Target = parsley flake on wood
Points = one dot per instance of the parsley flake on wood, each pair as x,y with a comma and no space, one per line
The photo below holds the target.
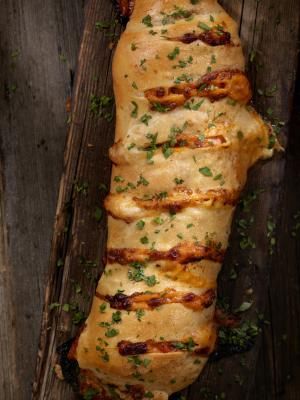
142,64
183,78
116,317
192,105
136,273
240,135
271,227
145,119
119,179
98,213
99,106
245,306
102,25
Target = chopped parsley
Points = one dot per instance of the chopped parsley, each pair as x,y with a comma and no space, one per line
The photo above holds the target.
144,240
98,213
147,20
206,171
140,225
178,181
139,314
142,181
116,317
136,273
160,107
99,106
102,308
191,105
245,306
145,119
174,53
183,78
134,112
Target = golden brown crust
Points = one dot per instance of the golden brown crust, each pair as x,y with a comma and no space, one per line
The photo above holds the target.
185,139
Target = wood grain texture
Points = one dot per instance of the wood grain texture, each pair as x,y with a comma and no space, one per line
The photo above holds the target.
253,266
38,47
31,166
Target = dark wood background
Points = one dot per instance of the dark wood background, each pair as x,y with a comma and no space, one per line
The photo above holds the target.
39,71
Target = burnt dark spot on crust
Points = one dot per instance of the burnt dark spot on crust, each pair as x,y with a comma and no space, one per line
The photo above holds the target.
189,297
156,302
119,301
136,391
127,348
211,38
160,92
149,300
208,298
182,253
124,8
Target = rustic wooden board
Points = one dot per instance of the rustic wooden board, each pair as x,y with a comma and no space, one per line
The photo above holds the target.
78,236
38,51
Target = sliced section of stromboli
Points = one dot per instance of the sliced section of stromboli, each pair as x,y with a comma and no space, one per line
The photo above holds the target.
185,139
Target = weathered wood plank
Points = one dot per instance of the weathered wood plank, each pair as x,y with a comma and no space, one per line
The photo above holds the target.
86,161
262,42
284,291
89,138
39,43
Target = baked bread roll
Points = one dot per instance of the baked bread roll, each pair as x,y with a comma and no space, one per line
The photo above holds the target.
185,139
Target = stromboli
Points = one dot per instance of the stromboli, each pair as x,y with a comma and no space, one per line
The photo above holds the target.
185,139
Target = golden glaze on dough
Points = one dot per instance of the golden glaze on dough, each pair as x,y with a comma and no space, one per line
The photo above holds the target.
185,139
